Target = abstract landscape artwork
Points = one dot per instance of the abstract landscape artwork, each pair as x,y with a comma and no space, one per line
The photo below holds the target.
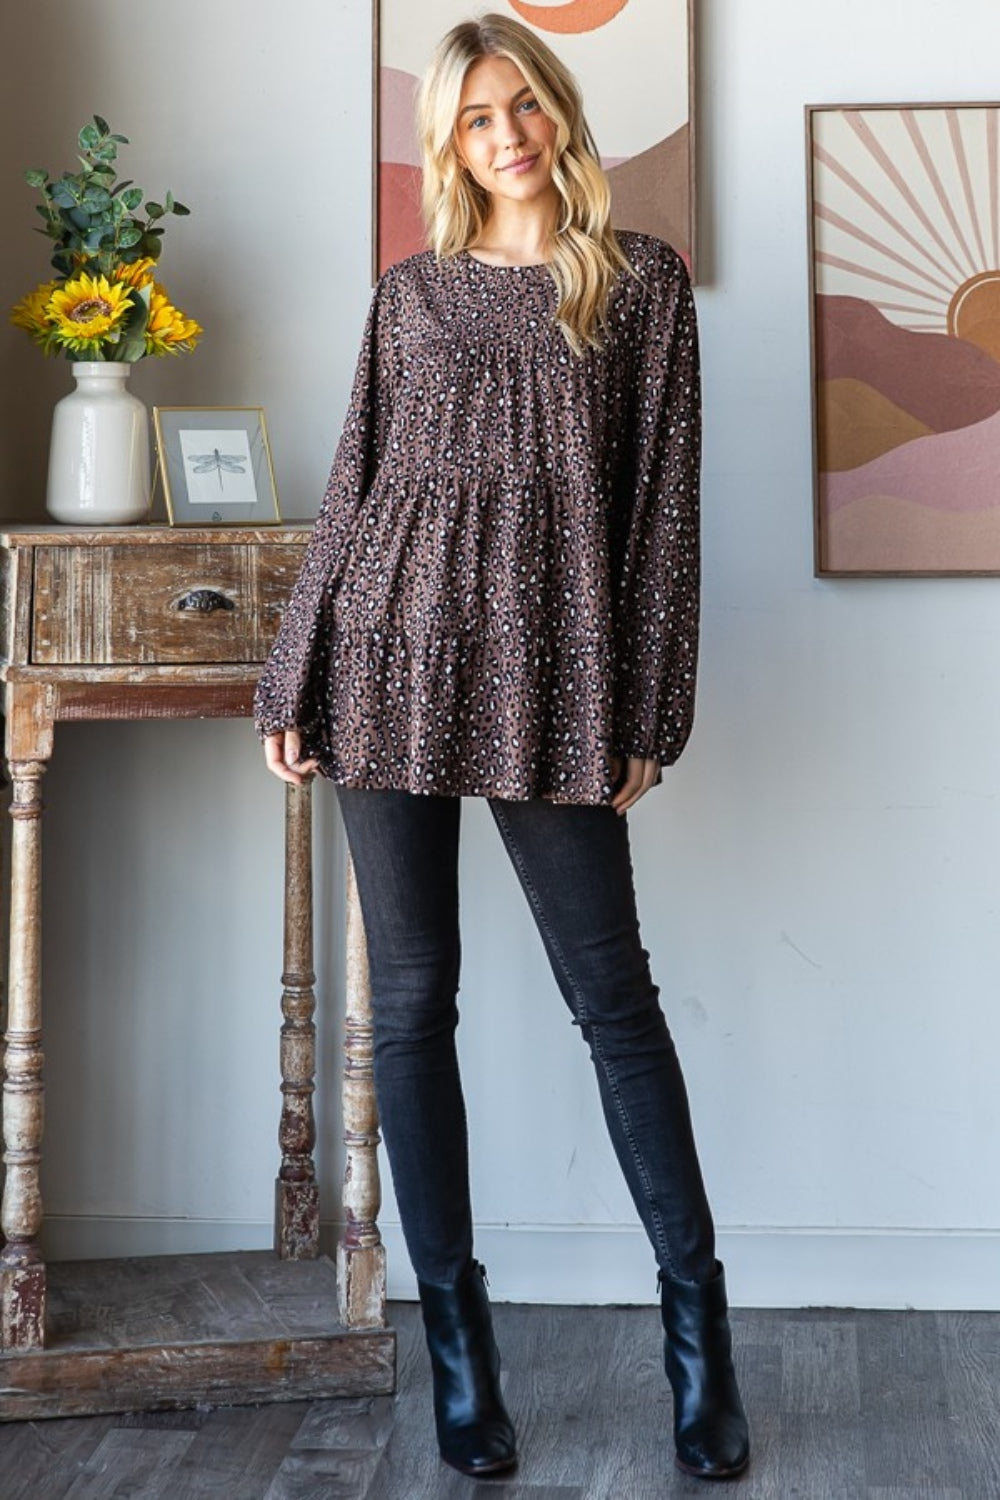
632,59
905,242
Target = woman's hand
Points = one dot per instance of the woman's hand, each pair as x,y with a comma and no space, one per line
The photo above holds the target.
282,751
639,775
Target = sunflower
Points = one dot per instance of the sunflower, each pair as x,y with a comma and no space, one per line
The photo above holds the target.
88,312
168,331
32,313
138,273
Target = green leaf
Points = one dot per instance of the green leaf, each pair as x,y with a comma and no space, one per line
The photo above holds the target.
62,195
89,138
96,199
130,198
130,235
155,210
151,244
168,202
122,140
132,344
35,177
180,209
101,124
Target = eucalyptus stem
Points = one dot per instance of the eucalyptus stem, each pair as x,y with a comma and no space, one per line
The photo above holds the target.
91,216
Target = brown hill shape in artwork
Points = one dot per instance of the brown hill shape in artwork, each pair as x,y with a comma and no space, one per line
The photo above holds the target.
857,424
942,381
651,192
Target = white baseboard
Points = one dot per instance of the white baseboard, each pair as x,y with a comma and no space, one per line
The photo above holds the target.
776,1267
83,1237
764,1267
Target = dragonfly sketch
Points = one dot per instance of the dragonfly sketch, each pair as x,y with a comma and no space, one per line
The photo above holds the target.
218,463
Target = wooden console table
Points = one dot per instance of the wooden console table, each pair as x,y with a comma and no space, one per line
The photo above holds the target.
155,623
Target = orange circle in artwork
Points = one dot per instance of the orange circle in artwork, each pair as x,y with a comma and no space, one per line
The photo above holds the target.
974,312
575,16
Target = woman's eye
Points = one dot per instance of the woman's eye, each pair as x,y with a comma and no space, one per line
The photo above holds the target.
479,120
528,105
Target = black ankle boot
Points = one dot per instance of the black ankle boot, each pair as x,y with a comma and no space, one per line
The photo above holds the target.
710,1426
474,1432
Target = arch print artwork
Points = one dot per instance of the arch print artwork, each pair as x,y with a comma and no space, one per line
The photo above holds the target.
905,232
632,59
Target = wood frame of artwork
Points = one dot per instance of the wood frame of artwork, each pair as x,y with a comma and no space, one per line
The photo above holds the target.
652,190
904,306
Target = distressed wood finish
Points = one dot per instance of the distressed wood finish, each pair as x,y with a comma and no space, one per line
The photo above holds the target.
169,1376
296,1208
88,630
15,604
183,604
360,1254
219,1329
22,1271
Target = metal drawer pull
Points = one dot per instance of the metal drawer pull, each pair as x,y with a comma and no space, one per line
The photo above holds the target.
203,601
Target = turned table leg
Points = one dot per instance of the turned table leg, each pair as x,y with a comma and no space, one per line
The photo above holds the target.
296,1209
360,1254
22,1270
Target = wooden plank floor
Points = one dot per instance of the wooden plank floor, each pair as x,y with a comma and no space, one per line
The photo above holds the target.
843,1405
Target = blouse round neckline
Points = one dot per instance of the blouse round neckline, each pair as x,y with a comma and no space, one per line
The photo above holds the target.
490,265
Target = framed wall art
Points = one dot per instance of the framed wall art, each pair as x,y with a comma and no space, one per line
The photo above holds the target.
633,61
215,464
905,301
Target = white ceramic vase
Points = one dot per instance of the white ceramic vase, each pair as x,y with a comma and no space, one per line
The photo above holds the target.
99,457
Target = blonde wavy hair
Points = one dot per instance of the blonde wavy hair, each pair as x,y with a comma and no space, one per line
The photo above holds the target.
586,257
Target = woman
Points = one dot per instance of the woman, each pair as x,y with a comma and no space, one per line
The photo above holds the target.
500,600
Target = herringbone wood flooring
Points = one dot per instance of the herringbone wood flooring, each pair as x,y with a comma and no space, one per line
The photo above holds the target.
843,1406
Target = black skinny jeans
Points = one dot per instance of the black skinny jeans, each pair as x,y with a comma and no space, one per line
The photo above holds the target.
574,865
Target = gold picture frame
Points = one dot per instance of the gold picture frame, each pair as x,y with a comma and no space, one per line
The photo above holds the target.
215,465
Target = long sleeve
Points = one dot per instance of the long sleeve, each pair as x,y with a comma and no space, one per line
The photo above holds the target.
657,549
286,696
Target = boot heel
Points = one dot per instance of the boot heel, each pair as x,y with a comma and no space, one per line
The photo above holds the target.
475,1434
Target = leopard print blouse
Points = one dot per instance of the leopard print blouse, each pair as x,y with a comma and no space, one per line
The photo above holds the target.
501,589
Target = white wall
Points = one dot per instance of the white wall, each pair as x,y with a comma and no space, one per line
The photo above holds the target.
817,876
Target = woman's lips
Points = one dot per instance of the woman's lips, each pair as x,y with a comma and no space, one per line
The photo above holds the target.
523,164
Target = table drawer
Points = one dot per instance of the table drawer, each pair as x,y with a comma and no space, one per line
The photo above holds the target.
186,603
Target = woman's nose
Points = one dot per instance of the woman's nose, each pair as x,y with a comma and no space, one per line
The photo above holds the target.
513,131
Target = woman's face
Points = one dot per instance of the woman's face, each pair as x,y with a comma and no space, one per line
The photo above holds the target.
501,134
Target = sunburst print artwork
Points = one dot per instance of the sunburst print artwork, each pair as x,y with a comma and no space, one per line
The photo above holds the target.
905,219
632,59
